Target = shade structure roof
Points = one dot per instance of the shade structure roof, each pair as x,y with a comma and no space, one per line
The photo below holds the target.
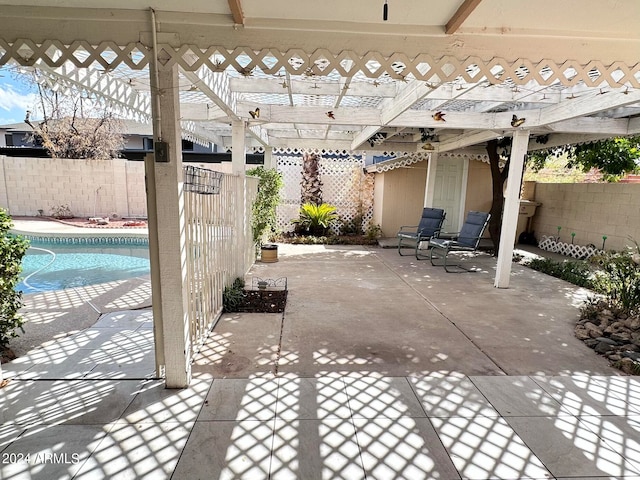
435,76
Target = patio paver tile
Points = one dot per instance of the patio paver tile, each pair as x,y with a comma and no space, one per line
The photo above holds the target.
402,448
568,447
517,396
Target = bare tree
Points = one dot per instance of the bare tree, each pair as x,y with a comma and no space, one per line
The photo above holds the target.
75,126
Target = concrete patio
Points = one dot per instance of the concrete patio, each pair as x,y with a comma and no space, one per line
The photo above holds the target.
381,367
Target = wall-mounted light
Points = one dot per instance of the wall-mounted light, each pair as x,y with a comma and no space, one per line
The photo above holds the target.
385,11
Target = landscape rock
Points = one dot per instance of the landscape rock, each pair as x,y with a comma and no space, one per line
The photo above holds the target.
631,347
612,334
632,355
591,342
632,323
628,366
614,327
603,347
594,330
582,333
621,337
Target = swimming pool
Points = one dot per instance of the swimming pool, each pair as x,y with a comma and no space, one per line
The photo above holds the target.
54,266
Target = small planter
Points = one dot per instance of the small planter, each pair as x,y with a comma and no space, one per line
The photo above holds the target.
269,253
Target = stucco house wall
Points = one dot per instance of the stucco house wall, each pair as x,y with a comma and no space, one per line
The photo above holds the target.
399,194
479,195
399,197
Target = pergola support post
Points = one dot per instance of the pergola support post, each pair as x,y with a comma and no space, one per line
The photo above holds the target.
511,208
169,215
238,160
430,186
269,161
238,146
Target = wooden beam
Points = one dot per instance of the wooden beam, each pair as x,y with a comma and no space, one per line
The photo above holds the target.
272,85
460,16
467,139
588,104
634,126
236,11
559,139
592,125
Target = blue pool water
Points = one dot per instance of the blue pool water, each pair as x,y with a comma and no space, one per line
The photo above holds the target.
48,267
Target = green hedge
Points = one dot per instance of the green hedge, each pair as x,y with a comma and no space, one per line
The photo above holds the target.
12,250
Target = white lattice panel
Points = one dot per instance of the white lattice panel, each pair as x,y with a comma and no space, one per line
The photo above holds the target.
344,185
551,244
322,62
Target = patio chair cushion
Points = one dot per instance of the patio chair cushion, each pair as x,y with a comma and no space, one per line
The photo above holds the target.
474,225
466,240
430,224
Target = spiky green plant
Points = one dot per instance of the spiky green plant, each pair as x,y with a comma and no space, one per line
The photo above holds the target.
315,219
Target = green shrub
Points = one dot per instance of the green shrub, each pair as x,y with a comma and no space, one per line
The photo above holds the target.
12,250
373,232
233,295
579,273
315,219
619,279
351,227
263,218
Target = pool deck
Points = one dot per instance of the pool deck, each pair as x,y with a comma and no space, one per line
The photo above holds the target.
51,228
381,367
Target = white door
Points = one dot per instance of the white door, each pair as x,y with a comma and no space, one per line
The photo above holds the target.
449,193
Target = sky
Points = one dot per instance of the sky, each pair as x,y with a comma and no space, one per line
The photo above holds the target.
16,97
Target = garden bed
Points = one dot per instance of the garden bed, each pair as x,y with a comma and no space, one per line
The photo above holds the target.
267,301
612,334
267,296
296,239
610,319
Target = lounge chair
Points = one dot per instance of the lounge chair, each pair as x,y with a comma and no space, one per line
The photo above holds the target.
430,225
466,240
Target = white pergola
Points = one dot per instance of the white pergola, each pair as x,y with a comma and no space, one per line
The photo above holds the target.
436,76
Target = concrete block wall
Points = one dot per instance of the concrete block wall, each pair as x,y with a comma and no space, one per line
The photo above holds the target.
591,210
89,187
136,193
